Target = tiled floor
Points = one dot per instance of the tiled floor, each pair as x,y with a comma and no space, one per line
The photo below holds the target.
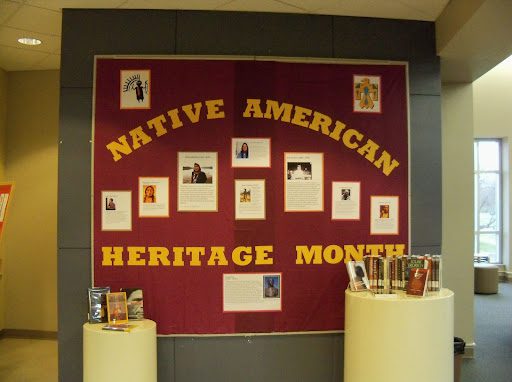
28,360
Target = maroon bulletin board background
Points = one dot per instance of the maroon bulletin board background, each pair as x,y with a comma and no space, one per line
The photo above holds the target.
188,300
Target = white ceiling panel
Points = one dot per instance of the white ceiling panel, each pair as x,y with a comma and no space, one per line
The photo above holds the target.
57,5
7,9
50,62
36,19
13,59
9,37
260,6
392,9
42,19
174,4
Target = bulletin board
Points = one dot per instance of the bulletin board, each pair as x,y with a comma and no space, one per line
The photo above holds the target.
233,191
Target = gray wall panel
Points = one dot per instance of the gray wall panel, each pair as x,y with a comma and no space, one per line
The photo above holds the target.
426,203
263,34
74,209
166,359
89,32
74,270
257,358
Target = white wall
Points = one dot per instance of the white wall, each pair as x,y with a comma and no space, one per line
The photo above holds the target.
457,247
493,119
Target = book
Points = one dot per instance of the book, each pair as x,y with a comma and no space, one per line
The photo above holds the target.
117,310
418,282
357,276
118,327
135,303
98,304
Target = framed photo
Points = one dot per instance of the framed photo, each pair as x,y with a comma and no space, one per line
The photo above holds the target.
117,310
250,152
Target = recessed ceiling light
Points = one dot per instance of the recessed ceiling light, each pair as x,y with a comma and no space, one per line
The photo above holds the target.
29,41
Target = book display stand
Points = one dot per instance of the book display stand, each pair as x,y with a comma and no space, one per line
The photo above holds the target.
399,339
120,356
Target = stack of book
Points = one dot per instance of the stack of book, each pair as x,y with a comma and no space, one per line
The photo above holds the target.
388,274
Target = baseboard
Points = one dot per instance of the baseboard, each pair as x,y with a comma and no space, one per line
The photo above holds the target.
28,334
505,276
469,350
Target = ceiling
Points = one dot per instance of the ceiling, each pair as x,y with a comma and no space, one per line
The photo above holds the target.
42,19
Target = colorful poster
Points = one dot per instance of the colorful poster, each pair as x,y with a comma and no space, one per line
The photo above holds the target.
6,190
252,153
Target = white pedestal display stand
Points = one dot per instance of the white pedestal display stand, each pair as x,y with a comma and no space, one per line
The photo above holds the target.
399,339
120,356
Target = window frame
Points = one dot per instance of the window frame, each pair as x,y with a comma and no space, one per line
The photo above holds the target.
476,174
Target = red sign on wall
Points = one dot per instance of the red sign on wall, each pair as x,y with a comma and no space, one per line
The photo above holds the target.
232,192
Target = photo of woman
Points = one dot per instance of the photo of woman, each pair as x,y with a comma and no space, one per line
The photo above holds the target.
244,151
149,194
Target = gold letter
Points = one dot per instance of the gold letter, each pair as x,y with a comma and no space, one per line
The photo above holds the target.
394,249
236,255
253,109
139,136
275,111
213,107
158,254
348,136
338,128
191,114
321,121
194,253
122,146
217,256
158,124
178,257
175,119
333,254
262,252
374,249
304,254
299,118
389,165
370,148
108,256
134,255
352,254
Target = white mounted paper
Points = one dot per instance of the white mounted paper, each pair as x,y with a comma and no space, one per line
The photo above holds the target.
346,201
250,152
116,211
154,197
249,199
384,215
197,181
252,292
304,182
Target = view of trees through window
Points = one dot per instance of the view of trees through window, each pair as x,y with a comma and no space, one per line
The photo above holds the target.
488,198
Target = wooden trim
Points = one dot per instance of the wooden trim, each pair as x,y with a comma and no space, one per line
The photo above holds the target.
28,334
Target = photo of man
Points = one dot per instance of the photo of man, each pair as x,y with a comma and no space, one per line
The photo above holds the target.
271,286
345,194
299,171
110,205
197,174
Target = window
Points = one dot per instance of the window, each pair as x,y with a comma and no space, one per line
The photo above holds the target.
488,198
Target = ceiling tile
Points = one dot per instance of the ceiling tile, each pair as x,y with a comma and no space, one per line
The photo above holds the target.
9,37
13,59
173,4
50,62
392,9
36,19
7,9
260,6
57,5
